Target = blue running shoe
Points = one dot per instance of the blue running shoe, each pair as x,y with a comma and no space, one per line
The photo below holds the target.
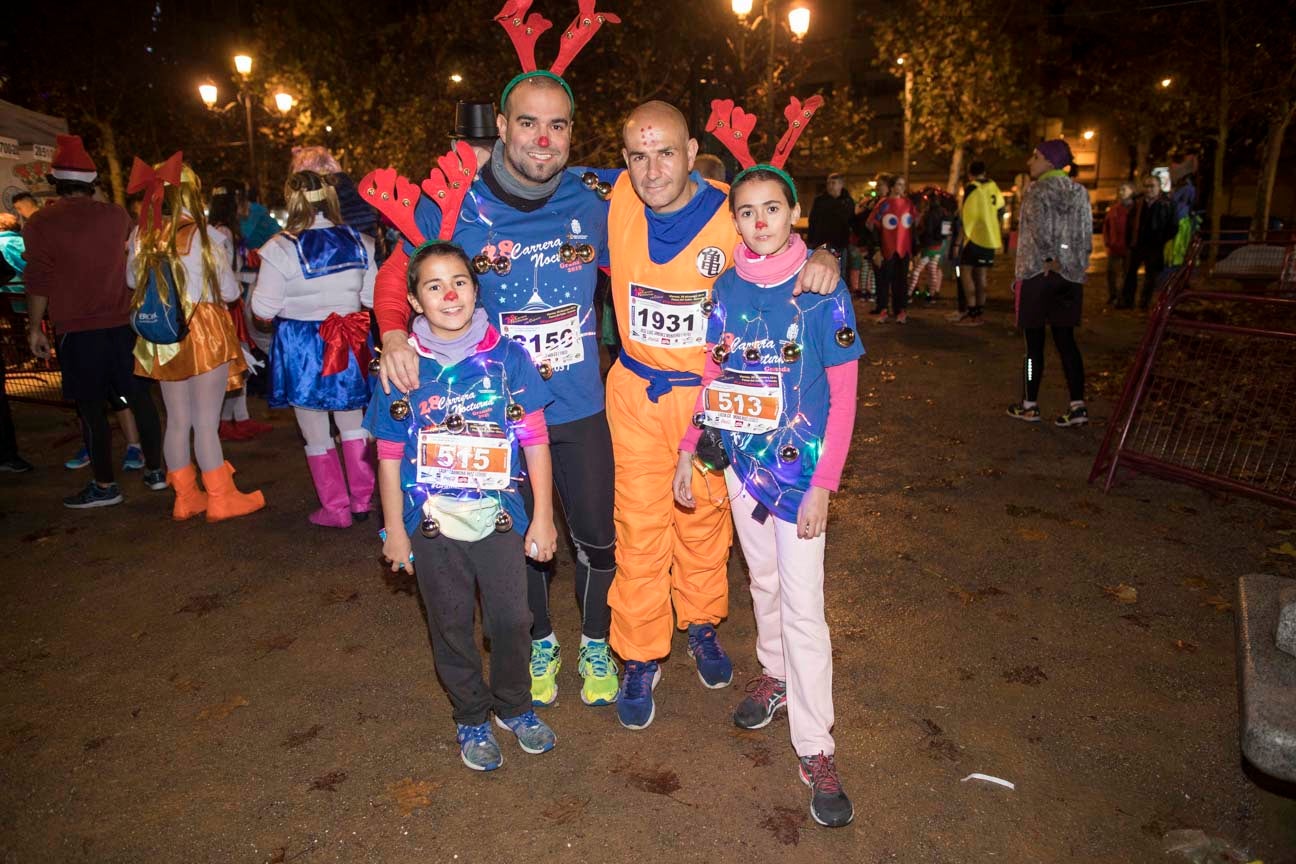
80,459
94,495
478,748
713,666
635,707
532,734
134,460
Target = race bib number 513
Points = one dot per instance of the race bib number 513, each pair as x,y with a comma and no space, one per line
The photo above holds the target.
749,402
477,458
667,319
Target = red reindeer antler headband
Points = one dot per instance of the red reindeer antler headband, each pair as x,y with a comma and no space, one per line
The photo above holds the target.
524,30
447,185
733,127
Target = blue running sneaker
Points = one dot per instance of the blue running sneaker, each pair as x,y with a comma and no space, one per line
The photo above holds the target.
134,460
713,666
532,734
80,459
478,748
94,495
635,708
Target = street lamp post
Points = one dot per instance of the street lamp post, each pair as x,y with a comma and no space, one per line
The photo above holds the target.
243,66
908,116
209,94
798,24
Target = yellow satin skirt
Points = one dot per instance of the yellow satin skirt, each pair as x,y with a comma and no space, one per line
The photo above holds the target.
211,342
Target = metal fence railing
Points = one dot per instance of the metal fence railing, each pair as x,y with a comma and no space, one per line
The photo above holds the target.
26,378
1208,400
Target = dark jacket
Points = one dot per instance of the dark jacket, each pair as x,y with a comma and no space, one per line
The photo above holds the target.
830,221
1151,223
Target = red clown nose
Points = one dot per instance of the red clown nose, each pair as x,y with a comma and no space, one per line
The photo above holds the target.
450,296
543,141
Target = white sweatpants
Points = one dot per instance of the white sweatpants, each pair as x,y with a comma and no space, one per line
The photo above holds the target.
792,640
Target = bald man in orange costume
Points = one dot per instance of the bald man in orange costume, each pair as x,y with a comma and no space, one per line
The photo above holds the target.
669,236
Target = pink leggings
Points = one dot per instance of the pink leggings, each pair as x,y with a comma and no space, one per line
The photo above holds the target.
792,641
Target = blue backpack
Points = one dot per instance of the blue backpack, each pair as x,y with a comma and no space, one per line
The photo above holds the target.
162,323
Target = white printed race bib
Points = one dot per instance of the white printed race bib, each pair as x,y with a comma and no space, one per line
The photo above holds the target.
667,319
479,457
749,402
548,334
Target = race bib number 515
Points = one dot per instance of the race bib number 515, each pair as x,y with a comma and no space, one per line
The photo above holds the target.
667,319
477,458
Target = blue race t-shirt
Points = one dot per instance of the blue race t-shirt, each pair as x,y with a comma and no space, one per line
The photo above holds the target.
478,389
772,410
543,302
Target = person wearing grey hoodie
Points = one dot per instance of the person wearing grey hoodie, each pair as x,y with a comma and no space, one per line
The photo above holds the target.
1053,246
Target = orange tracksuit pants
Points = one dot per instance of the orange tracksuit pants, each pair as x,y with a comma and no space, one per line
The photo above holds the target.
665,554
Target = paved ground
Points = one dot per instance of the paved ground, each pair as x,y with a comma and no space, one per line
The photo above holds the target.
260,691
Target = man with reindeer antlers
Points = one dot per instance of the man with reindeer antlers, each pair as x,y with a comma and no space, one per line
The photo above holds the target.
669,241
664,554
537,234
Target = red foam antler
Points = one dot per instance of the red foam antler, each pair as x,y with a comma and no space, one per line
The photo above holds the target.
395,197
523,29
733,126
578,34
447,184
798,117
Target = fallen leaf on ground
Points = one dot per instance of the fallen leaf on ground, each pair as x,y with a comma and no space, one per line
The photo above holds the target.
221,710
1032,535
1195,583
1122,592
1218,602
410,794
328,782
1285,549
965,597
296,739
1184,647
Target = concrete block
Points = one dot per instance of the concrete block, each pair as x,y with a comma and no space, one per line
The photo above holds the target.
1266,677
1287,620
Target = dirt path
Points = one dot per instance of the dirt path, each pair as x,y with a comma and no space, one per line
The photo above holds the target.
259,691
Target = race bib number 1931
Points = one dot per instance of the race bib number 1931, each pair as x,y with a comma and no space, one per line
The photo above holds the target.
477,458
667,319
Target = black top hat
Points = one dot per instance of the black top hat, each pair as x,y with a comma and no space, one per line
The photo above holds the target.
474,120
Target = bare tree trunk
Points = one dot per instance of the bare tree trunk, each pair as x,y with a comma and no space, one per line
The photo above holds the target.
1221,134
1142,149
108,141
956,168
1269,154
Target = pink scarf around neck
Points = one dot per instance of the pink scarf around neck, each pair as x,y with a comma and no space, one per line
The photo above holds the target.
770,269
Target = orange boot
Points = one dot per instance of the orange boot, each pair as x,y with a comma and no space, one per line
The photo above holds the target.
224,501
190,500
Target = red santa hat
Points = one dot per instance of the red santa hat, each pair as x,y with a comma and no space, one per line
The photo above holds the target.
71,161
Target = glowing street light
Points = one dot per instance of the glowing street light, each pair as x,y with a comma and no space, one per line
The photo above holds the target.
899,61
742,8
1166,82
284,102
456,78
798,21
208,93
1087,135
243,64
